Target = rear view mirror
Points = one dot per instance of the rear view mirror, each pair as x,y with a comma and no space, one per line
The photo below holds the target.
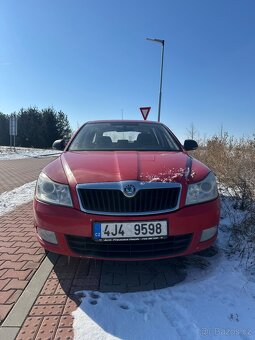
59,144
190,144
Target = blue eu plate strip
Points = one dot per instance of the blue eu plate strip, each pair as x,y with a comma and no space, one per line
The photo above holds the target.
97,231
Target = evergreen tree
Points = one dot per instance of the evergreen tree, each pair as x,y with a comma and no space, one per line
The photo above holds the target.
30,128
36,128
63,126
4,129
49,128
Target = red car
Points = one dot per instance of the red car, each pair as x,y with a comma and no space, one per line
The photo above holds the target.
126,190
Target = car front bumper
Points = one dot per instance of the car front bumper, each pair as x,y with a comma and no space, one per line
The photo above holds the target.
72,226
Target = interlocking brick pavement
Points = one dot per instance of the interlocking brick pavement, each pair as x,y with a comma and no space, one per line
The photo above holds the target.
16,172
20,257
51,315
15,258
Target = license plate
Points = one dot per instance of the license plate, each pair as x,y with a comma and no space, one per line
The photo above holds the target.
123,231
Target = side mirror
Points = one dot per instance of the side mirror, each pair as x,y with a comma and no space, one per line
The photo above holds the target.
190,144
59,144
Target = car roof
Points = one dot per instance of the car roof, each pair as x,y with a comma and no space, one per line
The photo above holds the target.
123,121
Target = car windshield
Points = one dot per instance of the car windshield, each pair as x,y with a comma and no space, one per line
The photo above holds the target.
116,136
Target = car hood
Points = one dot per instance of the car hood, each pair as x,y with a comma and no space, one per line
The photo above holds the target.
113,166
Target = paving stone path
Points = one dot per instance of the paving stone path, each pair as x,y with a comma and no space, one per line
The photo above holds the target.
16,172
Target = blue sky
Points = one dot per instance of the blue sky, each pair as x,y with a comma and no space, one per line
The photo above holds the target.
91,60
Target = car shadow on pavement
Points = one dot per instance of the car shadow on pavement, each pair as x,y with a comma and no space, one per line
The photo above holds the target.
75,274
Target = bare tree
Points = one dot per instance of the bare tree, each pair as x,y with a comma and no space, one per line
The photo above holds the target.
192,132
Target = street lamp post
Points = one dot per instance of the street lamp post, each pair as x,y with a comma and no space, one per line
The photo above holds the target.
162,42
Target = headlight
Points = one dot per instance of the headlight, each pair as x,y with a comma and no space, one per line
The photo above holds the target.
203,191
52,192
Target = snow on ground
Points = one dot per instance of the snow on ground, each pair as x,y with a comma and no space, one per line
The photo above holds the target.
10,200
6,153
215,301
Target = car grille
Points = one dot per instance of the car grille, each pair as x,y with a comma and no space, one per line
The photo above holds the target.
129,249
112,201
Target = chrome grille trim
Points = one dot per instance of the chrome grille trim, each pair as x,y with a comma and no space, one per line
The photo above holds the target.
120,187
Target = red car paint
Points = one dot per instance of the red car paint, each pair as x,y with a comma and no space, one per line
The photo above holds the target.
76,167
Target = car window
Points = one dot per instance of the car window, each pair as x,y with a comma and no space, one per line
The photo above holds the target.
124,136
